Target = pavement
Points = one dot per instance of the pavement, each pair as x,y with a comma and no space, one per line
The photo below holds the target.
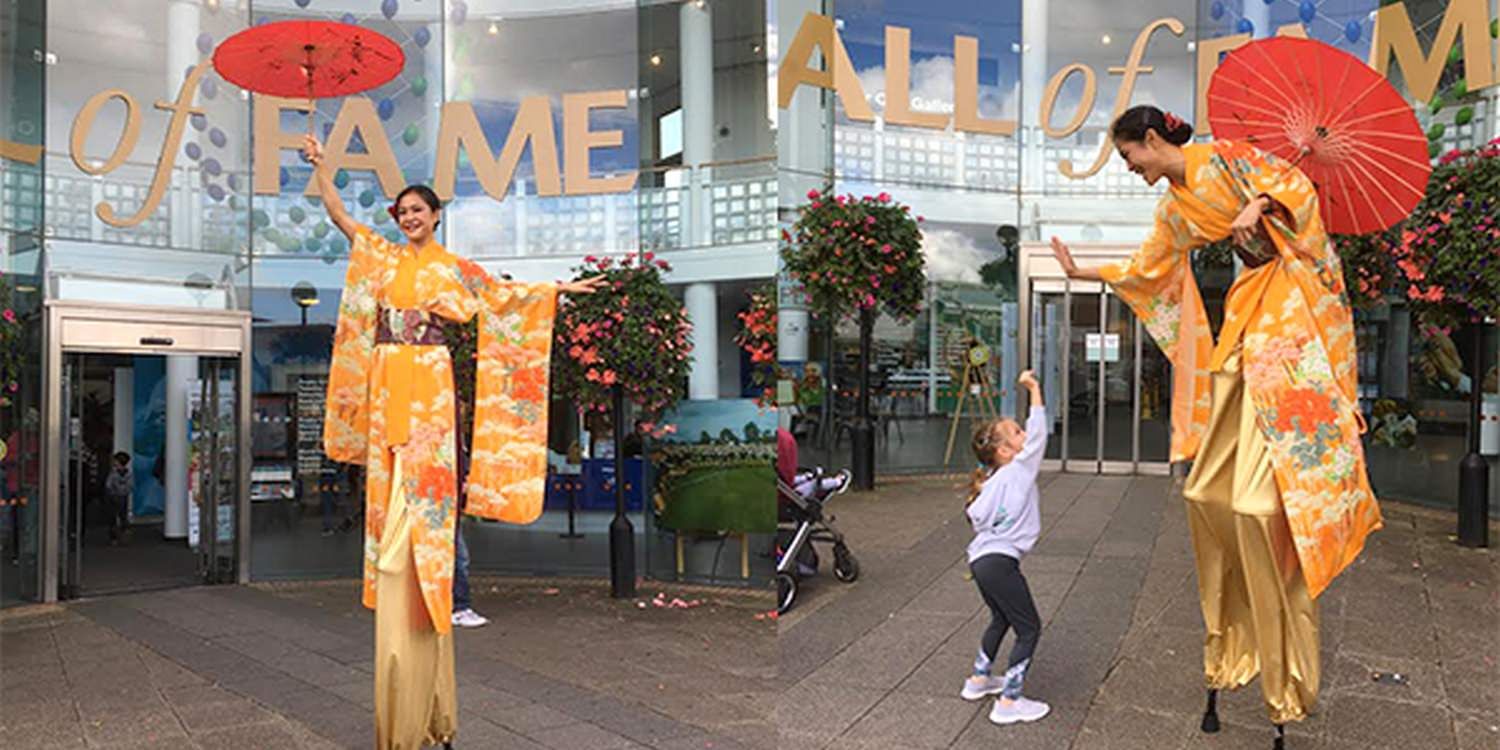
878,663
873,664
562,665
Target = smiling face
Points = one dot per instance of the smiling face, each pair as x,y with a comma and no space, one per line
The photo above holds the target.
1147,157
416,219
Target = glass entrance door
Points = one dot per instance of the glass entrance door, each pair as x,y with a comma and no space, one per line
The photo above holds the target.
1106,384
214,468
150,483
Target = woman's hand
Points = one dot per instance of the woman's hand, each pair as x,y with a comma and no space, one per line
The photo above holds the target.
583,286
1064,257
1070,269
1247,224
312,150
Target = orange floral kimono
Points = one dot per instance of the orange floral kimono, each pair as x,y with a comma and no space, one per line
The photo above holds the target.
1290,316
386,400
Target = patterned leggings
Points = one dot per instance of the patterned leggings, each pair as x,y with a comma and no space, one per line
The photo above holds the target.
1009,598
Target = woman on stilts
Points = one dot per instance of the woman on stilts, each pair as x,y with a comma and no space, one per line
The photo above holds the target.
1278,498
392,408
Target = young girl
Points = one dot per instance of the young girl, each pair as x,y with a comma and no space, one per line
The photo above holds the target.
1002,508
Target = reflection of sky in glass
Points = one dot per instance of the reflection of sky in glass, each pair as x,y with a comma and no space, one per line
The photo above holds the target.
933,24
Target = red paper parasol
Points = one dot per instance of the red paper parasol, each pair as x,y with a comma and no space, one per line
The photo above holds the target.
1334,117
308,59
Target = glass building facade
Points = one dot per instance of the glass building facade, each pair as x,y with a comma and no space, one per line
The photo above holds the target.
1055,74
140,189
170,289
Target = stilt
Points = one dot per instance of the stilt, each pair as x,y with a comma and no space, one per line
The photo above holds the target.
1280,742
1211,713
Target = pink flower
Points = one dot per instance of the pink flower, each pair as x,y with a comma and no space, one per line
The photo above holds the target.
839,200
812,194
10,315
869,221
590,259
884,197
886,248
1451,157
817,204
920,220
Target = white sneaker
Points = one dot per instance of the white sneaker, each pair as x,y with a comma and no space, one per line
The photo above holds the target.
468,618
978,686
1019,710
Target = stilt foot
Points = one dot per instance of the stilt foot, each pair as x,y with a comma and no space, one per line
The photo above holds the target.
1211,713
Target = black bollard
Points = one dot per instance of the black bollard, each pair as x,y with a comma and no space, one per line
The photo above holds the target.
1474,470
862,435
621,531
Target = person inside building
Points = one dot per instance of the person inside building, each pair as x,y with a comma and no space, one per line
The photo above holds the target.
391,407
1279,501
119,487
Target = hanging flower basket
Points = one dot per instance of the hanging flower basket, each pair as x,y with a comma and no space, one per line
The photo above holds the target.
757,337
854,254
634,334
11,350
1448,251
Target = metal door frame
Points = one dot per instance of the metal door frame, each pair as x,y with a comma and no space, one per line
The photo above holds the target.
101,328
1040,273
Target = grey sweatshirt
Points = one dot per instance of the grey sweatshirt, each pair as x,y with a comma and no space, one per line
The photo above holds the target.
1005,517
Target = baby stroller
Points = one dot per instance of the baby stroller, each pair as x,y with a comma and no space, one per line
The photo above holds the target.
801,521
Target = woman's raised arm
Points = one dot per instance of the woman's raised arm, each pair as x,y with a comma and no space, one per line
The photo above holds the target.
340,217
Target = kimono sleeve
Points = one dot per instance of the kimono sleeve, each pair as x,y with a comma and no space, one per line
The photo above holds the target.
1257,173
1157,283
508,458
347,419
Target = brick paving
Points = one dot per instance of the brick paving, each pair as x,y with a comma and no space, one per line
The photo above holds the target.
878,664
289,666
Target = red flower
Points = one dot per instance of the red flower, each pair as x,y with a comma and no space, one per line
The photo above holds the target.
1307,408
811,194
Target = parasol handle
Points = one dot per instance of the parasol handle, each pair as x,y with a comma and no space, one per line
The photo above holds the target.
307,70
